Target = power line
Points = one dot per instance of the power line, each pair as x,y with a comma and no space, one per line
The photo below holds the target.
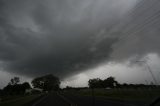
147,20
150,20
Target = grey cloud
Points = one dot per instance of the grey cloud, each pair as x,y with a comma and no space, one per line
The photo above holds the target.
54,36
139,32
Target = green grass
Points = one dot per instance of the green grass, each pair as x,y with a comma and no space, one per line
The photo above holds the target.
143,95
19,101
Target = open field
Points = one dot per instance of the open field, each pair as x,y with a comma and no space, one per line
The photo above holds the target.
103,97
18,101
139,95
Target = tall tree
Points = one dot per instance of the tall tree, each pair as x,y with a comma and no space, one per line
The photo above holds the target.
14,87
14,81
110,82
47,82
26,85
95,83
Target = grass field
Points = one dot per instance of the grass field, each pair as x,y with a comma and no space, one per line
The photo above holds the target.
18,101
144,95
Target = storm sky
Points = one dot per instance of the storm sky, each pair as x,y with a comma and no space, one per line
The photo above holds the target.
79,39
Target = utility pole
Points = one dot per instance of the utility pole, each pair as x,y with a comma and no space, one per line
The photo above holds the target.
93,97
150,71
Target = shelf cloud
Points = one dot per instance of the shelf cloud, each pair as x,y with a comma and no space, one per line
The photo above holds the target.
67,37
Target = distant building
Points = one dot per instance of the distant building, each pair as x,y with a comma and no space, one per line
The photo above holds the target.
33,90
108,88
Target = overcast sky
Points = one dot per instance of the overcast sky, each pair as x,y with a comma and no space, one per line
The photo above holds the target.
79,39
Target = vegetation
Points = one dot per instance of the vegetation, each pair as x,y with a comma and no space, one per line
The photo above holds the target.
19,100
110,82
47,82
14,81
141,94
14,94
98,83
14,87
111,89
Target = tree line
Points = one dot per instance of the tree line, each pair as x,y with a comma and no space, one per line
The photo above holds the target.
52,83
99,83
14,87
45,83
110,82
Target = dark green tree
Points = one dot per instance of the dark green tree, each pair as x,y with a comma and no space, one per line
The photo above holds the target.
14,81
110,82
47,82
15,88
26,85
95,83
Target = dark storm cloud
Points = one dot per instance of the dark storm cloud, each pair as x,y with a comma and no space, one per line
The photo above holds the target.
54,36
139,32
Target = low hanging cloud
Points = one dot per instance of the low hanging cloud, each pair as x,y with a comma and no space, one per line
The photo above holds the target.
138,32
66,37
